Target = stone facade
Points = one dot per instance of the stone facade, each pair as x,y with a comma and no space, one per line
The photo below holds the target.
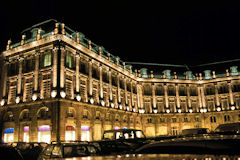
61,80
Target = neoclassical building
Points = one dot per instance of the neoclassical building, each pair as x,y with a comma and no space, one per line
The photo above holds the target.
58,85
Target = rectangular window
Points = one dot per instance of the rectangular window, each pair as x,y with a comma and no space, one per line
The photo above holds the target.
69,61
47,60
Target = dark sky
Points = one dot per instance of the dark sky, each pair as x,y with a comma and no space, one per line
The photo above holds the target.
175,32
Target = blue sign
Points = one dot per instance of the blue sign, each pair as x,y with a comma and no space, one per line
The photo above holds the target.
9,130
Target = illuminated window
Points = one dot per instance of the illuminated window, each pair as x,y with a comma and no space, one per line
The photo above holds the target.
196,119
8,135
85,114
70,133
69,61
47,60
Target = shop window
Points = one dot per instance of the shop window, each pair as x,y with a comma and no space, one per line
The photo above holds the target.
213,119
47,60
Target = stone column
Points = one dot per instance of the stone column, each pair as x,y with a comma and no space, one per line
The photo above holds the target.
131,96
77,73
177,96
101,82
19,82
166,96
118,88
62,68
203,97
230,93
36,71
4,79
110,85
199,98
216,96
188,98
154,103
90,78
139,97
125,91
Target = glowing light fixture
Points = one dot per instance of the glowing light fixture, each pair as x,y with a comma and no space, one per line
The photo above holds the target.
141,110
179,110
53,93
112,105
218,109
233,108
190,110
18,99
201,110
128,108
2,102
102,103
205,110
91,100
155,110
120,106
168,110
78,97
34,97
62,94
134,110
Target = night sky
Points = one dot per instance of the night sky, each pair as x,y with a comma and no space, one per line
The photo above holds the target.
173,32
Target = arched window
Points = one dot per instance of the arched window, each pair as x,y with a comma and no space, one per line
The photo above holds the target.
43,113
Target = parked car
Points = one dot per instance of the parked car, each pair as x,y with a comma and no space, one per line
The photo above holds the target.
68,150
194,131
120,141
231,128
9,153
29,150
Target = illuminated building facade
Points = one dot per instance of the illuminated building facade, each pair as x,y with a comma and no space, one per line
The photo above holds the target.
58,85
